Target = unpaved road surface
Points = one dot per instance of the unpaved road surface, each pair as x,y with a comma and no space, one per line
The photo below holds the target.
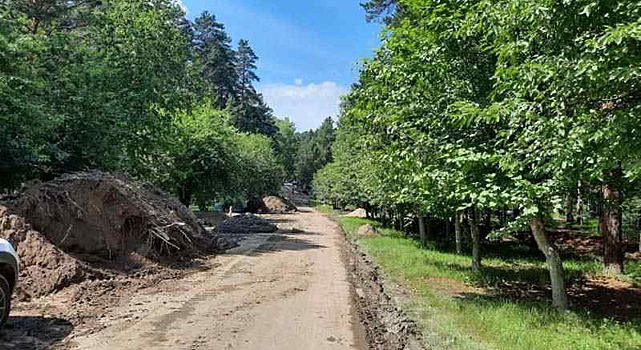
287,290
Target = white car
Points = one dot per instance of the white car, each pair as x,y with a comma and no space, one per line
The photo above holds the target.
9,267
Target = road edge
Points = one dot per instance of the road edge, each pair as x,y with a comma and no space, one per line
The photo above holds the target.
384,324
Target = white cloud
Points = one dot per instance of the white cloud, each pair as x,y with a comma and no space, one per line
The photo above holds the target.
299,81
306,105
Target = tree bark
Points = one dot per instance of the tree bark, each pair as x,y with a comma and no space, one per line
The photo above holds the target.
185,195
447,230
457,232
570,204
559,298
488,222
610,223
476,239
503,216
579,207
421,230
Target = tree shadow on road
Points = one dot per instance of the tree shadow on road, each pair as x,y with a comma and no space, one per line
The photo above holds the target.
281,243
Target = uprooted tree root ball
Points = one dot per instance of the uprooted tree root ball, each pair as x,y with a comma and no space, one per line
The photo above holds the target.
65,227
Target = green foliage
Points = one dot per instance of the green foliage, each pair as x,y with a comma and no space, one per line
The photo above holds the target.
25,123
132,86
491,104
215,58
201,159
262,171
314,151
250,111
286,145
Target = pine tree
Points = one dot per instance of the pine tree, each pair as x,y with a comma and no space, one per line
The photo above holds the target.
251,113
386,10
246,67
216,57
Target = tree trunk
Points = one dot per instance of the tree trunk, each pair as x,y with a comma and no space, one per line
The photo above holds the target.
421,230
447,230
610,223
488,222
457,231
476,239
185,195
570,204
579,207
559,298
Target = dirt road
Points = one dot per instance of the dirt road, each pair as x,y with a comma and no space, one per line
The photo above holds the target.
276,291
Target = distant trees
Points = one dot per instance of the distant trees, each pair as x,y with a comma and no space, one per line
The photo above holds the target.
314,151
286,144
473,107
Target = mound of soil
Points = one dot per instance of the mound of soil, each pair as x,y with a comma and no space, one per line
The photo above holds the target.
291,191
43,267
367,230
246,223
69,229
358,213
272,205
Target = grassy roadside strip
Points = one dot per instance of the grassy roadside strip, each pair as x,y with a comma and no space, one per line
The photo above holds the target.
455,307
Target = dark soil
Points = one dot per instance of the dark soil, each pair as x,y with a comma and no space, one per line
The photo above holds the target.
247,223
386,325
573,242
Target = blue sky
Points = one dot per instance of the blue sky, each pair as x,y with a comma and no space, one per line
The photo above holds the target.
309,49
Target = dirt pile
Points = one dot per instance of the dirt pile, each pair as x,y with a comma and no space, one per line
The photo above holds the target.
272,205
279,205
367,230
93,225
246,223
43,267
358,213
291,191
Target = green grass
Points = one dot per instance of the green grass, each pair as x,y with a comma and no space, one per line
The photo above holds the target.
477,318
589,227
325,209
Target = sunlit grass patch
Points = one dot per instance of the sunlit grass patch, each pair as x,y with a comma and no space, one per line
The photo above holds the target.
325,209
457,308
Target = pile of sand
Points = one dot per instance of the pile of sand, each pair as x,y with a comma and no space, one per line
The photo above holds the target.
64,229
279,205
358,213
272,205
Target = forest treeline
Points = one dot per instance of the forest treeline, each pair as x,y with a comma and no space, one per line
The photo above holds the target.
510,109
134,86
